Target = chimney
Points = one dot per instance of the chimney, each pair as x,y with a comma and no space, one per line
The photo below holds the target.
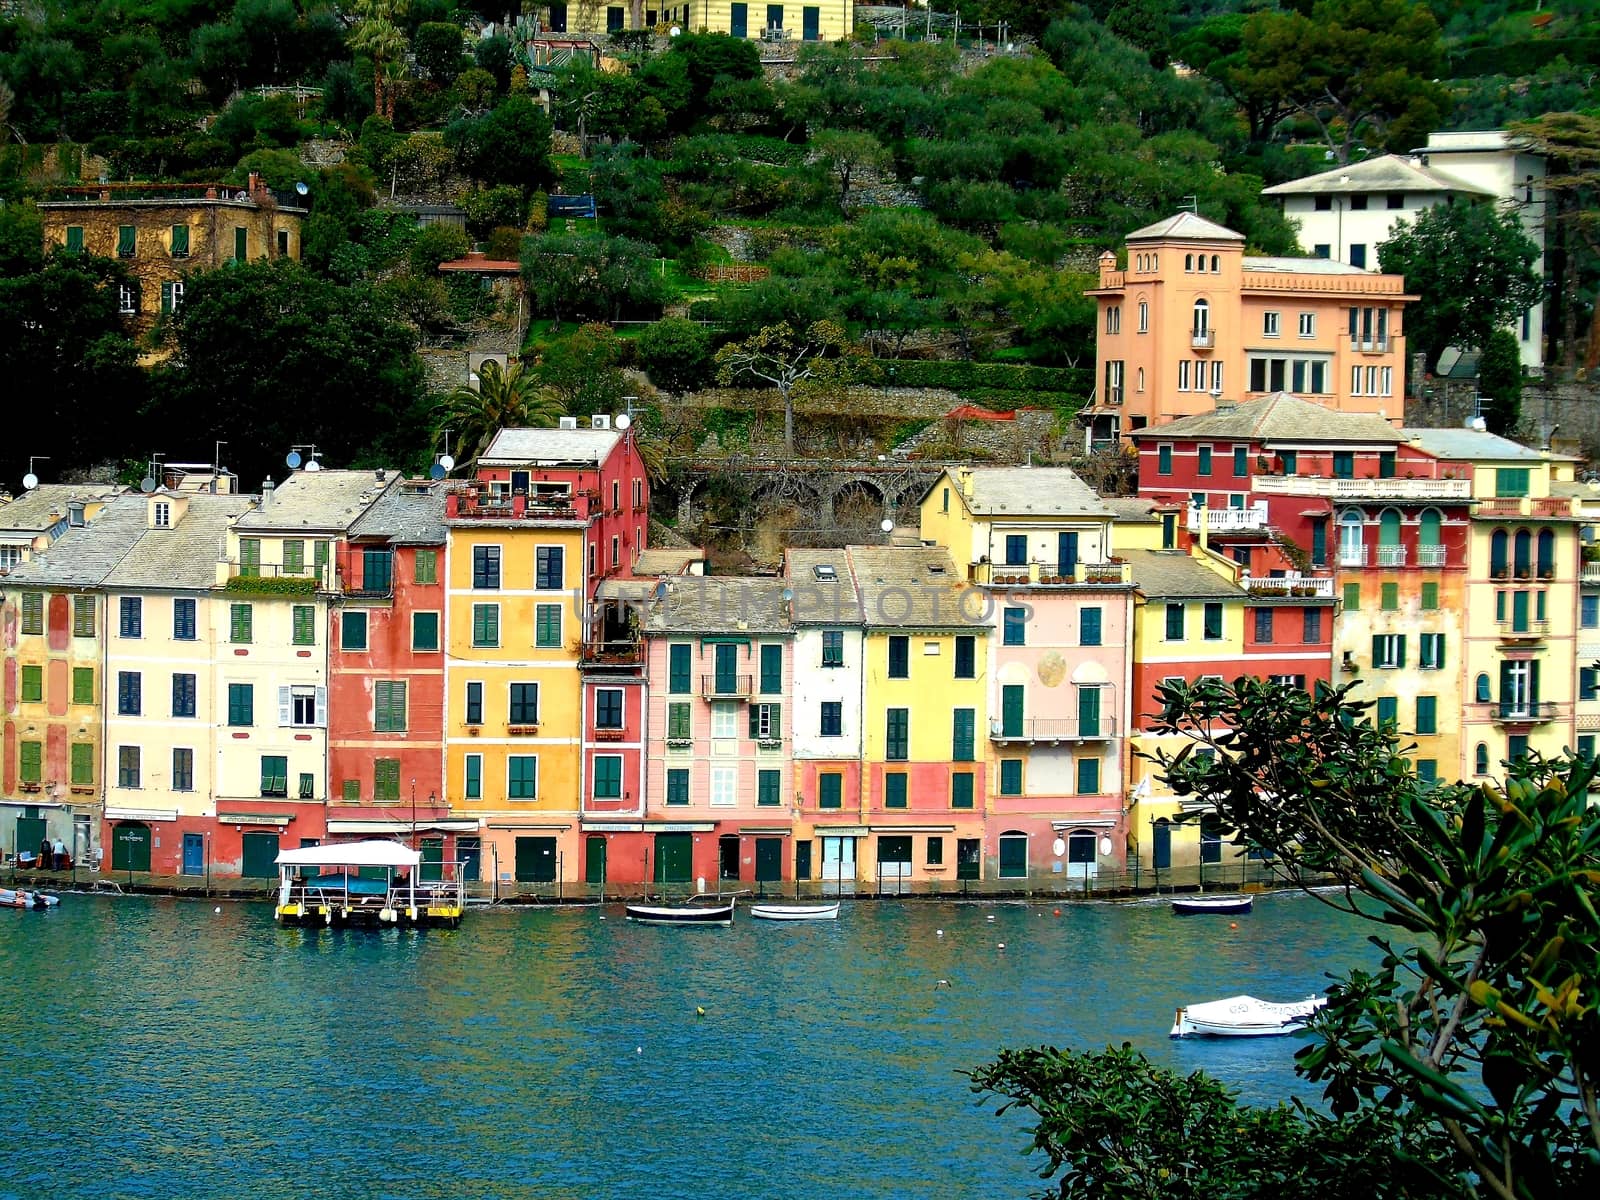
266,491
256,190
964,478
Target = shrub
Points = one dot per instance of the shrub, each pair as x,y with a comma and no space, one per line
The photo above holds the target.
676,354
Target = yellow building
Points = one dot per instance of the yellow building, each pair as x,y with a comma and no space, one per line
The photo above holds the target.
816,20
31,521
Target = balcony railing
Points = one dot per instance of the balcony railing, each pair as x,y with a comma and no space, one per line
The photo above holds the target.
1525,506
1319,587
1391,556
482,504
1363,489
1519,631
1052,574
1352,556
727,687
1224,520
1591,572
1431,556
1523,712
1370,346
612,654
238,575
1202,339
1052,729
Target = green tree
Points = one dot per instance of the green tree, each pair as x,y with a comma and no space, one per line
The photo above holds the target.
1572,140
582,371
378,35
804,365
504,398
576,275
440,51
509,145
1472,267
676,354
1500,382
845,156
1463,1065
1145,23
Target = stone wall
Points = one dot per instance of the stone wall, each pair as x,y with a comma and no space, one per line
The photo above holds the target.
1568,413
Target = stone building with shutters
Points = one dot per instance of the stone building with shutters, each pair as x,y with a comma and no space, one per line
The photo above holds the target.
161,233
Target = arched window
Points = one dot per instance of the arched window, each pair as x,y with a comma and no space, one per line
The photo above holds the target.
1481,689
1216,264
1141,379
1497,554
1351,551
1144,316
1480,759
1188,262
1389,527
1202,317
1547,554
1522,554
1428,531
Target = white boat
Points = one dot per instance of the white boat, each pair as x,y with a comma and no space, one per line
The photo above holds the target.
795,912
1243,1016
1186,905
19,899
680,914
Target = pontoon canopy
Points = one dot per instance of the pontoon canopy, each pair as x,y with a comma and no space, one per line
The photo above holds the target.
351,854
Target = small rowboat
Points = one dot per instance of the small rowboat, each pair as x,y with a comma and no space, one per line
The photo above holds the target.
1189,905
681,914
796,912
38,900
1243,1016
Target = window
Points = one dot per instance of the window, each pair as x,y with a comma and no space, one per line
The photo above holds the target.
608,776
275,775
1431,652
549,568
128,766
1114,318
608,708
769,785
962,737
1389,650
678,727
1164,460
241,621
936,852
130,687
1389,597
966,663
183,627
830,790
724,719
1014,622
83,616
1203,464
678,669
1311,627
171,297
486,567
1212,629
182,770
1088,776
1589,683
241,704
771,670
241,243
1358,250
83,685
1511,481
425,631
352,630
522,777
547,626
833,648
180,241
1589,612
30,762
1308,325
1264,626
485,625
388,706
1269,324
1016,550
899,657
961,790
1427,771
250,557
301,707
1480,759
894,789
1011,777
678,785
425,567
33,685
75,239
183,695
130,623
1089,626
1144,316
766,722
1175,622
304,625
1387,712
1427,714
523,708
1430,597
832,718
1352,597
897,735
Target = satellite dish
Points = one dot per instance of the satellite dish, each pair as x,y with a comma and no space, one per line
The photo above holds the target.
292,459
437,471
241,196
301,189
147,485
624,420
447,461
313,465
30,481
886,525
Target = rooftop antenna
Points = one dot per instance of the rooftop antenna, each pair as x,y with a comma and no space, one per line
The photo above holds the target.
1189,204
216,463
31,479
148,484
294,458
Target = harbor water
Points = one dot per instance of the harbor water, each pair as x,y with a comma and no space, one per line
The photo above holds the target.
157,1048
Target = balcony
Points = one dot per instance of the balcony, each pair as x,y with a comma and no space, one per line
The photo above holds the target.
1591,572
1525,506
609,735
727,687
1523,712
603,655
1431,556
1229,520
271,578
1202,339
1371,346
1352,556
476,503
381,589
1523,631
1052,730
1315,587
1391,556
1363,489
1052,574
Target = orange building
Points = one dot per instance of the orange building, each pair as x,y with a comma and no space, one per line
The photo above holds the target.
1192,317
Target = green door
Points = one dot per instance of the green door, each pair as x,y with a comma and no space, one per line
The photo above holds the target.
594,860
130,847
769,859
1089,712
30,832
536,860
260,857
1011,710
674,858
431,868
727,672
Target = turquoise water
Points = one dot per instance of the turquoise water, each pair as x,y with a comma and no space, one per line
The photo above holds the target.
154,1048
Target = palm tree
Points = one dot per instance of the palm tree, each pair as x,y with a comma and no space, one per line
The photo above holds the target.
377,33
503,397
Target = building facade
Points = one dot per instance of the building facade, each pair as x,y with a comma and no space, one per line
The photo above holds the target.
817,20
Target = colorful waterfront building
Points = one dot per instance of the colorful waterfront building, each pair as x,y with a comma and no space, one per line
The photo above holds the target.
548,514
52,631
1038,544
166,631
276,581
816,21
719,788
1191,317
386,681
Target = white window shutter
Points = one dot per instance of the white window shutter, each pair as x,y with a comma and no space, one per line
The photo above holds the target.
285,707
322,707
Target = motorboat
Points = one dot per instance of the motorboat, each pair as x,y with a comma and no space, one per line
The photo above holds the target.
1244,1016
20,899
1220,905
795,912
681,914
372,883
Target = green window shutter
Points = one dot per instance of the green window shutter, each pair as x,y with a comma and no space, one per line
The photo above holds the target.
389,706
961,789
1088,776
30,761
1388,712
386,780
75,238
32,612
1089,712
180,241
753,713
547,626
894,789
1390,597
83,685
240,620
1352,597
1164,460
1400,652
305,626
830,790
1427,714
962,736
1204,463
250,556
771,670
425,631
241,243
1377,649
485,625
678,669
767,783
426,566
678,721
1011,709
1011,777
678,785
83,616
350,791
1430,597
241,704
82,764
32,684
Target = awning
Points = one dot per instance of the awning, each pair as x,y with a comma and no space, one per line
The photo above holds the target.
351,854
545,825
1085,823
913,829
25,803
141,814
766,830
447,826
242,818
842,831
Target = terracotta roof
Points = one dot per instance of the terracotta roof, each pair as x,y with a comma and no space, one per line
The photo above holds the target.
1281,417
971,412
